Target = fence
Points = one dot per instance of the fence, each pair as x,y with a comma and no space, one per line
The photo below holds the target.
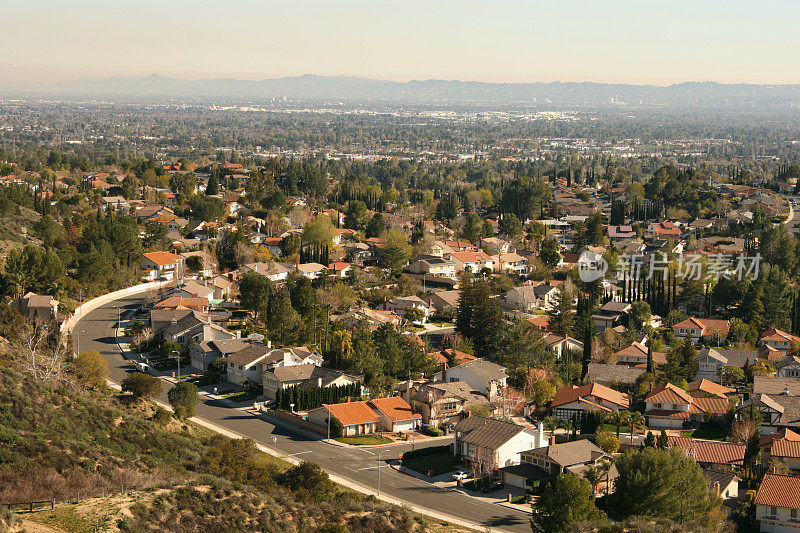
30,506
298,421
91,305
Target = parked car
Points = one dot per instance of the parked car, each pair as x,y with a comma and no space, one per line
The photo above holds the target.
497,485
461,474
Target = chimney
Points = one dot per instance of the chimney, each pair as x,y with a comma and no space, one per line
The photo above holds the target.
269,343
444,372
319,382
539,434
552,440
717,487
238,334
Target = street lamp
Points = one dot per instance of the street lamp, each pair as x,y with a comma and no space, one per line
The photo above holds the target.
179,362
380,454
78,342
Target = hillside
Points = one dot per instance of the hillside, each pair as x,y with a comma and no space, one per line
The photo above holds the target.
130,467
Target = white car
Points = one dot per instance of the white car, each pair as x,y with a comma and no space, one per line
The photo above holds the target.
461,474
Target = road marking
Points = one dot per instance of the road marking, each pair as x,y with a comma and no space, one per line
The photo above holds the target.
299,453
369,468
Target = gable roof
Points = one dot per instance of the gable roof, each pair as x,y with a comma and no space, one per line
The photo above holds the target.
775,385
601,372
486,432
395,408
249,355
162,258
710,452
574,393
571,453
709,387
775,334
669,393
351,413
485,370
779,490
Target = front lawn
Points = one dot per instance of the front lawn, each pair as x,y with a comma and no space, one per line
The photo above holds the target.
364,440
440,463
707,432
241,396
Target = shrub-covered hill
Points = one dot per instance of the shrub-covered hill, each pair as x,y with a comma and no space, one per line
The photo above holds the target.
61,442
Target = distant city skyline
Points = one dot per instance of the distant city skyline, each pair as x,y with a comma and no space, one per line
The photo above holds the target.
612,41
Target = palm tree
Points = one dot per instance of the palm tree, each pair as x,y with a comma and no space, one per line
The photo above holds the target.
594,474
605,467
618,418
635,421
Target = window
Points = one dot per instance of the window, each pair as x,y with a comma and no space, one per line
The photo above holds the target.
794,513
452,406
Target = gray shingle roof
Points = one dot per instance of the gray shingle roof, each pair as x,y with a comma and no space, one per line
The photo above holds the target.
486,432
484,369
604,373
571,453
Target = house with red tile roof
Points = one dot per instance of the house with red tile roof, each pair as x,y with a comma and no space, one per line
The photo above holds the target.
356,418
161,265
394,414
569,402
635,354
705,388
664,229
339,269
702,328
778,503
781,448
711,455
778,340
473,261
444,357
669,406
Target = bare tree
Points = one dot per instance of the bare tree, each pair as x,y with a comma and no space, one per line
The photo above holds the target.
44,351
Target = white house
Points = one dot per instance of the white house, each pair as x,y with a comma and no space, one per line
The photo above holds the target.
571,401
778,504
494,443
275,272
157,265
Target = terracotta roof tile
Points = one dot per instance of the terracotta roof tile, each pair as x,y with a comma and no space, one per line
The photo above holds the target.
570,394
780,491
351,413
395,408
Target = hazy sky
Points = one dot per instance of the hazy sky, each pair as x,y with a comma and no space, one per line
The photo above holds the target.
642,41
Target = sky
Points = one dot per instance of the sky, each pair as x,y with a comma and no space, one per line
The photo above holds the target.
620,41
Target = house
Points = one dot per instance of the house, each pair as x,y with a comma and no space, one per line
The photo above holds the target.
612,375
562,344
669,406
340,269
115,203
275,272
711,455
483,376
475,262
529,298
710,361
495,245
779,411
311,270
188,302
195,327
449,356
709,389
443,403
222,287
611,314
664,229
493,443
778,340
620,233
433,266
554,460
570,402
441,300
510,262
778,504
773,385
43,308
194,289
402,304
702,328
304,376
246,365
726,486
161,318
375,318
635,354
167,265
203,354
788,367
395,415
781,449
356,418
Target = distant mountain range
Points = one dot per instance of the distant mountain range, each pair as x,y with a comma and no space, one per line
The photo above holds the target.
309,87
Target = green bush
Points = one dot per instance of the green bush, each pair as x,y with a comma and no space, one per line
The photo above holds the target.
431,431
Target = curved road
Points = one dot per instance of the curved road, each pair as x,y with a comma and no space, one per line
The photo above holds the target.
95,331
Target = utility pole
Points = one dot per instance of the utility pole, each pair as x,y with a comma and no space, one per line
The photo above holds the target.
179,363
380,454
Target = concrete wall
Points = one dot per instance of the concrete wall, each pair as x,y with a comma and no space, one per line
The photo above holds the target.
91,305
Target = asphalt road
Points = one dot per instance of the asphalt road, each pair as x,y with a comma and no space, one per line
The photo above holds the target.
95,331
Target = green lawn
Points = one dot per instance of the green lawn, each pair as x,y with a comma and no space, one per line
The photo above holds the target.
364,440
440,463
613,429
241,396
708,432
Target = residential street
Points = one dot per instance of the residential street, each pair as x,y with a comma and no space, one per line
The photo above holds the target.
95,331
